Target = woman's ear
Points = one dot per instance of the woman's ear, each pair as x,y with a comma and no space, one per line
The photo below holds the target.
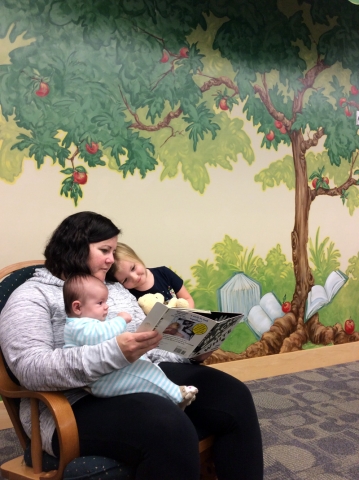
76,307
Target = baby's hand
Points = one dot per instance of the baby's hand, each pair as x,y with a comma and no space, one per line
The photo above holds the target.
126,316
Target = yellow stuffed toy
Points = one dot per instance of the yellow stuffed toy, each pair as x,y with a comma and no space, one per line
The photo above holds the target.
146,302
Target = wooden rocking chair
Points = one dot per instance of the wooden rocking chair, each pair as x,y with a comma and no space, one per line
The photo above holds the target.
11,392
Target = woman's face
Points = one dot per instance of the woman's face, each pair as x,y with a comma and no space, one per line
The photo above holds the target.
101,257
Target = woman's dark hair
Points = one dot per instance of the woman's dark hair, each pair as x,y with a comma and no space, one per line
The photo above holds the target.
68,249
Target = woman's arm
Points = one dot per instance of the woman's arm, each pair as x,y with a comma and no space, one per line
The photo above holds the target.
31,335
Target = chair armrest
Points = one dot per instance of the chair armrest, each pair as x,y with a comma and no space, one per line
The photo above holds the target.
62,413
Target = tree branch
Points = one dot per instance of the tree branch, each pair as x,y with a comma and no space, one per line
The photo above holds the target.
216,81
308,82
176,113
333,192
312,142
264,96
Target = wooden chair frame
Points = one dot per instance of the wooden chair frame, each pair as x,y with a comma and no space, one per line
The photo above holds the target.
64,418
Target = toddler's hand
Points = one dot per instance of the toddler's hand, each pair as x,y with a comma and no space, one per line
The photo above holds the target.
126,316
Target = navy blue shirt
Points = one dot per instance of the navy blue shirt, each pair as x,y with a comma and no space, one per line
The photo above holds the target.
167,282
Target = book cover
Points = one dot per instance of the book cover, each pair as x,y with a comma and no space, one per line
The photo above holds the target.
320,296
238,294
189,332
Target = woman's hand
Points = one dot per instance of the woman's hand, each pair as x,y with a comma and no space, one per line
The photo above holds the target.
134,345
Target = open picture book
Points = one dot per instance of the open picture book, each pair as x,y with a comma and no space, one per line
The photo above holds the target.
189,332
320,296
261,317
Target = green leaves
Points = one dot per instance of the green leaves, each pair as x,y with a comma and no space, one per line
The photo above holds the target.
140,156
319,180
344,196
199,119
41,144
324,258
274,273
224,100
71,185
281,171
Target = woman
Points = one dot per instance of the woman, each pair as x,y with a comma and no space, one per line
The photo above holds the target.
140,429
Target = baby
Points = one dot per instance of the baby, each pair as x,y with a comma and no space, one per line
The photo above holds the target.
85,298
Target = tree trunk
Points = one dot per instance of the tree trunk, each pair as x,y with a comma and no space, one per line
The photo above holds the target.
303,277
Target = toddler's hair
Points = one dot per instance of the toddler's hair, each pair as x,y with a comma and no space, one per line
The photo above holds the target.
122,252
74,289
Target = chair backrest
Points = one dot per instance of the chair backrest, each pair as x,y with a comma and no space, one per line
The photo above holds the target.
14,275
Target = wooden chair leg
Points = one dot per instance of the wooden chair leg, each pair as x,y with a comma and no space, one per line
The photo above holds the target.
206,456
208,471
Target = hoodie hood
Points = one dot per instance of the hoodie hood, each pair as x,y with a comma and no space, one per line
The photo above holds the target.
42,275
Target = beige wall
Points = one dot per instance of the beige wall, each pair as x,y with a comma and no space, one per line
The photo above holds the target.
167,222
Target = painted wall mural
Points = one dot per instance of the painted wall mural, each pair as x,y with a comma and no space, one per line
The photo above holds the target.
133,86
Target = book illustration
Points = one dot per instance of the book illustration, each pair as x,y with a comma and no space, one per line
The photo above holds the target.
180,328
239,294
261,317
320,296
189,333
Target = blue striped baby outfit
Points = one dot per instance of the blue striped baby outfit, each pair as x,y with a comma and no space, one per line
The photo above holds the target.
140,376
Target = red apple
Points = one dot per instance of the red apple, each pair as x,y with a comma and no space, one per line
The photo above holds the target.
93,148
286,307
349,326
342,100
283,130
278,124
184,52
314,182
165,57
80,177
326,180
354,90
43,90
347,111
223,104
270,136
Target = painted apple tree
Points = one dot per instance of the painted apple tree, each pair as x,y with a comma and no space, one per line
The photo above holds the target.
119,83
301,107
109,83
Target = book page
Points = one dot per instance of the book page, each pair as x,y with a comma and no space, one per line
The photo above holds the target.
334,282
317,298
258,320
320,296
271,305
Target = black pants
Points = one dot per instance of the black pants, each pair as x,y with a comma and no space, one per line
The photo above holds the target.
156,435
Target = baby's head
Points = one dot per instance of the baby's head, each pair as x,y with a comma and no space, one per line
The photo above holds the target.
128,268
85,296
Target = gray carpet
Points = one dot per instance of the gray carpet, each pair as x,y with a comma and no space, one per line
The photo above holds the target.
309,423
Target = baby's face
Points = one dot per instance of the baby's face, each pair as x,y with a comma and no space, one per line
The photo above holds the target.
95,306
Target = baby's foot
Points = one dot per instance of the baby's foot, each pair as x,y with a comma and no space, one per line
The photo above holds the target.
188,394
